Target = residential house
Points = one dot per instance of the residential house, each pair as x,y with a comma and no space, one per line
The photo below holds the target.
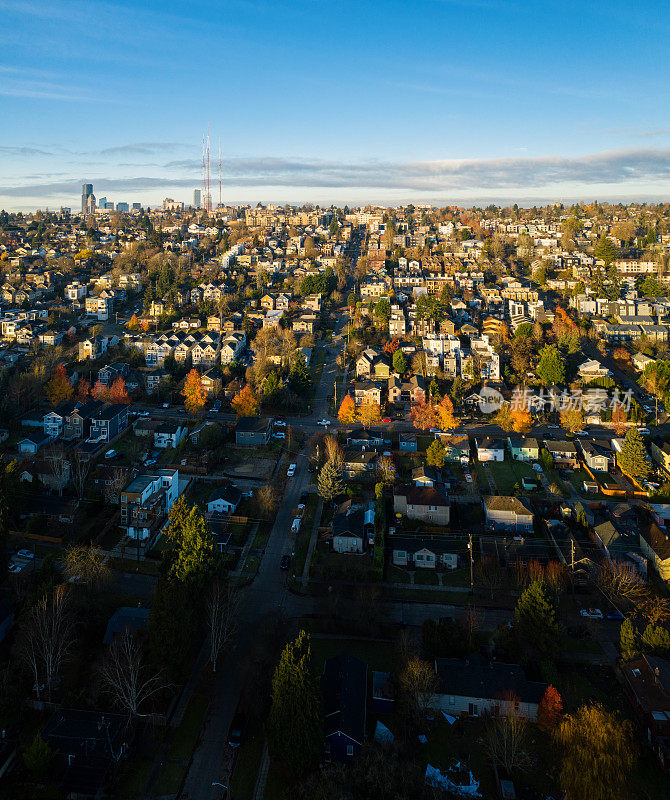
359,463
212,381
93,348
146,502
507,513
655,545
108,422
647,683
426,476
169,434
154,378
344,686
411,391
524,448
474,686
422,550
305,323
408,442
425,503
489,449
363,439
373,365
598,456
367,392
592,369
253,431
224,499
564,453
32,443
456,446
660,452
353,526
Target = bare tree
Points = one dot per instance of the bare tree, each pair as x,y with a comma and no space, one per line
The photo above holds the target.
474,619
505,736
79,469
267,499
489,574
386,469
125,676
619,582
418,683
333,451
59,466
84,564
114,484
654,609
223,612
47,639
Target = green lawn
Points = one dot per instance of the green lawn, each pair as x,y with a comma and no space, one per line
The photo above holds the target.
130,564
378,655
587,645
426,577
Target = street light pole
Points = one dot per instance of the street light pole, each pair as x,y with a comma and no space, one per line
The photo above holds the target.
471,565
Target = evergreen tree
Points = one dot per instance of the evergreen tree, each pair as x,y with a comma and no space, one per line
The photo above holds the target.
399,362
633,458
299,378
535,620
627,640
294,726
329,482
655,640
271,387
196,554
606,250
435,454
551,367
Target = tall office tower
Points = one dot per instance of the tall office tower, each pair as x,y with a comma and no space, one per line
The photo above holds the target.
86,192
137,206
102,202
123,207
90,204
196,198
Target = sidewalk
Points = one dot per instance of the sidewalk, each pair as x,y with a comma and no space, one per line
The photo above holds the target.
245,551
312,544
262,774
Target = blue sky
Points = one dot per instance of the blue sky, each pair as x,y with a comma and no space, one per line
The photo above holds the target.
446,101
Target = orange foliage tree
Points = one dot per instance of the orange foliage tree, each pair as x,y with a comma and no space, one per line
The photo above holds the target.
59,388
391,346
423,416
521,420
118,392
347,412
619,418
245,402
194,392
83,390
100,391
133,324
369,412
445,415
550,710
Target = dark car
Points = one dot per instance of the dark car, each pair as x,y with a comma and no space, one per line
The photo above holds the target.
236,729
614,614
285,562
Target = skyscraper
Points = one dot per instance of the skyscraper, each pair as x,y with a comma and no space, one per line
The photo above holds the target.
196,198
86,192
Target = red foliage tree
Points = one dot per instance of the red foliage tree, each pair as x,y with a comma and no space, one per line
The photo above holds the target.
100,391
118,392
59,388
550,710
83,390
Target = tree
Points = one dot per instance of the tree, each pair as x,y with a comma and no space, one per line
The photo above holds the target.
194,393
503,419
383,310
627,640
505,735
38,756
125,676
294,724
399,362
223,611
133,323
79,469
572,419
47,639
535,620
329,482
299,378
59,388
369,413
100,392
83,390
598,754
267,500
245,402
435,454
606,250
445,415
118,392
521,420
619,419
196,554
551,367
633,459
87,565
550,710
347,412
423,416
418,685
655,640
386,469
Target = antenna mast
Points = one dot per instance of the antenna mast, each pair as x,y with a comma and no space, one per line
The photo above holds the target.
220,203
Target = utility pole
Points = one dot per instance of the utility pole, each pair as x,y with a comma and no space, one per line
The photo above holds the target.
572,555
471,564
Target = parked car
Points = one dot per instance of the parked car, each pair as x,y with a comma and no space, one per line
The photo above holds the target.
28,554
386,419
643,431
291,471
279,435
591,613
14,568
324,422
279,423
166,405
468,477
110,453
537,468
216,406
614,614
236,729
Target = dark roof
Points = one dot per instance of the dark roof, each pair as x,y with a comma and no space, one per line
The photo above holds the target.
422,495
559,446
413,542
432,473
658,541
475,676
110,411
490,443
607,532
227,492
126,618
38,437
252,424
344,690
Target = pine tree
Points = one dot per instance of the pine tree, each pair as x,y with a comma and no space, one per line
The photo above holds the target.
633,458
196,554
294,725
535,620
655,640
627,640
329,482
299,378
550,710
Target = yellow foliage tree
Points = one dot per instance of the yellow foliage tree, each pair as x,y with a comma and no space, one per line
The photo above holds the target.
194,392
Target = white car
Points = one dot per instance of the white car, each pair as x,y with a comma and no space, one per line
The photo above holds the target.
279,423
291,471
25,554
279,435
468,477
643,431
166,405
324,422
591,613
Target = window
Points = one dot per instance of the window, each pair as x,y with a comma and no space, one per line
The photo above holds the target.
350,749
452,700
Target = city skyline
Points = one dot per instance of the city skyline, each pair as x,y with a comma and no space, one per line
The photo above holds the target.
390,106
